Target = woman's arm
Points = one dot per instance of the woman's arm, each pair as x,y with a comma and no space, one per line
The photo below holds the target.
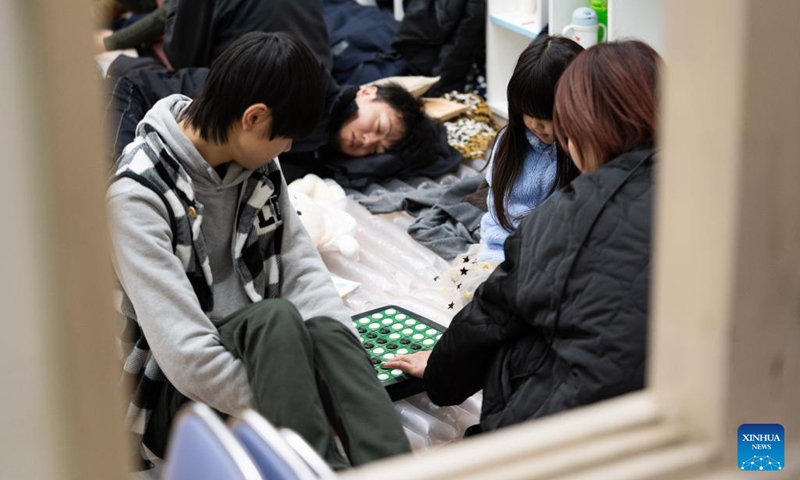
493,235
458,366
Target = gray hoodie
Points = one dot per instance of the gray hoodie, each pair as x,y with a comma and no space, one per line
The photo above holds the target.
183,339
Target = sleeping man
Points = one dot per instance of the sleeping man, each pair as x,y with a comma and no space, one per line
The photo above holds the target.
385,127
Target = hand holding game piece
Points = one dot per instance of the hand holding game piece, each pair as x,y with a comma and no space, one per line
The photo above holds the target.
413,364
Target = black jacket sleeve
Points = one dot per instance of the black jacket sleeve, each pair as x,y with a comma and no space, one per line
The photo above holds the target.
146,30
461,360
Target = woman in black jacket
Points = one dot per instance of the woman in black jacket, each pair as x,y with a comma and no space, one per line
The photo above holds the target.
563,321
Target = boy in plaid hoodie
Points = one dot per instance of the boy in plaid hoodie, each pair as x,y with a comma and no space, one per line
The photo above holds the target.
227,301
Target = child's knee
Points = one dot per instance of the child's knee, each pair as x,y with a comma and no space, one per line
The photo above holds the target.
325,324
323,329
275,315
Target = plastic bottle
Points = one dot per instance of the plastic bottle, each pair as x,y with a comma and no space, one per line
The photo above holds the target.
601,8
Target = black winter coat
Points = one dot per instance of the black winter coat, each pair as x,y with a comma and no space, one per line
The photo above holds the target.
563,321
442,37
198,31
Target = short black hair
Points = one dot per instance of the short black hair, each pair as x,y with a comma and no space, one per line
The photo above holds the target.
421,131
275,69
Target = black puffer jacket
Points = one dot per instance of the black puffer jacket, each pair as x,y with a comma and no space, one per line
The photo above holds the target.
563,321
442,37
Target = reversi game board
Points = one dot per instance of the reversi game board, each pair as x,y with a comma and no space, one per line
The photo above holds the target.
389,331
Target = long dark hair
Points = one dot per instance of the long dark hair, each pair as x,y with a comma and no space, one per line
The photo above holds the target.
531,91
606,102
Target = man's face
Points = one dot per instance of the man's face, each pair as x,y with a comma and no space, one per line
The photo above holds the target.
373,129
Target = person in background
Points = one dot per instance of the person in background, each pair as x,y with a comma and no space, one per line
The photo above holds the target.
527,165
562,322
197,31
227,301
378,122
138,24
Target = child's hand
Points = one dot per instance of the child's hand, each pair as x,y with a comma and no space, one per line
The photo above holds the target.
413,364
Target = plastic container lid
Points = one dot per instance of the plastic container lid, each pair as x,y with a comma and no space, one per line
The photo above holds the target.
584,17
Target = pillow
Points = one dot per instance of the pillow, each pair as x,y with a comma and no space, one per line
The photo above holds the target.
416,85
442,109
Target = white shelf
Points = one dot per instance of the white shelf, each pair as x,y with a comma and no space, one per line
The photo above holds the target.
499,108
524,24
509,31
629,19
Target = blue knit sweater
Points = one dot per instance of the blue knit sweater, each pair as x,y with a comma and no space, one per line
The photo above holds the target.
531,189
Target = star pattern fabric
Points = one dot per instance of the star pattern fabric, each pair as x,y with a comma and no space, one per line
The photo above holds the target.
457,284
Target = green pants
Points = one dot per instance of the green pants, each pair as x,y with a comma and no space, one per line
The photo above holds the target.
306,376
